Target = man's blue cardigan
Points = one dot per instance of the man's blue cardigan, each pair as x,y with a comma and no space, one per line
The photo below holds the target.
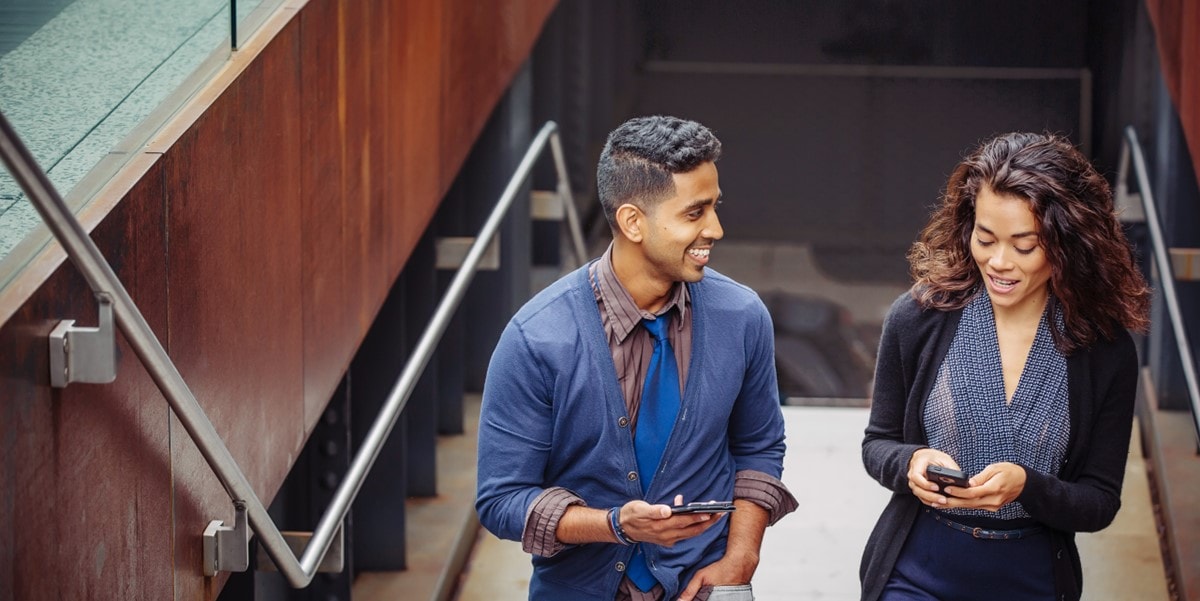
551,405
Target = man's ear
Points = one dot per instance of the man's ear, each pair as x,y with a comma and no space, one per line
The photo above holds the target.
631,221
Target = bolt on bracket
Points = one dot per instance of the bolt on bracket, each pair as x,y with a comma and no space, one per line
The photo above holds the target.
87,355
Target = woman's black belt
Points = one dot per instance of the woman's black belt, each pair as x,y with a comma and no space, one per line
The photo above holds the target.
985,533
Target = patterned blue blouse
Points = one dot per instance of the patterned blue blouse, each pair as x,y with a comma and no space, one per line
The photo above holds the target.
967,415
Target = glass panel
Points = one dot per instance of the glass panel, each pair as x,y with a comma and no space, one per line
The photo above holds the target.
250,15
85,83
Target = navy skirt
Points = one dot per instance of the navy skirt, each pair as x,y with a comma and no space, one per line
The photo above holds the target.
941,562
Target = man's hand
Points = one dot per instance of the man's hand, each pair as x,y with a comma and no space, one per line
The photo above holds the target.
730,569
746,528
655,524
641,521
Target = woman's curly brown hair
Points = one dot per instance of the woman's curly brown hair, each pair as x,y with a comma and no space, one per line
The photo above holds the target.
1095,283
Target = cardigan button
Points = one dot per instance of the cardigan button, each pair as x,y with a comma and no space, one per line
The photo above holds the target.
620,566
632,476
624,421
1059,556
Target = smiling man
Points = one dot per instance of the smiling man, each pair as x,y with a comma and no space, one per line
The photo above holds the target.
637,384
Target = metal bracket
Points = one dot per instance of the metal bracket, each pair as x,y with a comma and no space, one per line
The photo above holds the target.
546,205
452,251
87,355
227,549
333,562
1185,262
1129,205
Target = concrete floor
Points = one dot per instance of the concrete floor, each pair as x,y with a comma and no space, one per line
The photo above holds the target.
813,554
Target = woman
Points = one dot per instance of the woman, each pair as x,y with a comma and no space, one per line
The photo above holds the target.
1009,359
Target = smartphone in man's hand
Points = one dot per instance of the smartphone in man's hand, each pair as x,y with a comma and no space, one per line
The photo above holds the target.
944,476
706,507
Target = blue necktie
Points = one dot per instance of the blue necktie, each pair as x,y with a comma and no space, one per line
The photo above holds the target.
656,419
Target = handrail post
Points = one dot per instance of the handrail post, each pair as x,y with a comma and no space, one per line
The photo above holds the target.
1131,149
564,192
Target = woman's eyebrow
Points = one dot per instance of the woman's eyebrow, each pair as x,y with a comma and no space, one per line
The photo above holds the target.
991,233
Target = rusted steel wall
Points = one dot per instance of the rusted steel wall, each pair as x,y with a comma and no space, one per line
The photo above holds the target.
1177,23
259,247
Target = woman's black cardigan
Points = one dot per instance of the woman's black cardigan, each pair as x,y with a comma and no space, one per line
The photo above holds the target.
1084,497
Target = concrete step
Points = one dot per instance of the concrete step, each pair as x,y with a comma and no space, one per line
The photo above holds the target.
1170,445
440,530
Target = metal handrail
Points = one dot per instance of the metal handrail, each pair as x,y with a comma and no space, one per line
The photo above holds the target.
101,278
1132,149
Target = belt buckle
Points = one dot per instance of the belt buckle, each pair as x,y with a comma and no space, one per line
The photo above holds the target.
976,532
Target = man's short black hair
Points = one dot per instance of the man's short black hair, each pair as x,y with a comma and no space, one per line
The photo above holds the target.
641,155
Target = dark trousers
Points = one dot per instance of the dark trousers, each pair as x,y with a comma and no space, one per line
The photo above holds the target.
940,563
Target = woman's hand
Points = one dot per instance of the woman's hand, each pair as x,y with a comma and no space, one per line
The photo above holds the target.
921,487
996,486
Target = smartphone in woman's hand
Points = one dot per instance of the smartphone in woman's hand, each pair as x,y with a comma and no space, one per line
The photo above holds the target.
944,476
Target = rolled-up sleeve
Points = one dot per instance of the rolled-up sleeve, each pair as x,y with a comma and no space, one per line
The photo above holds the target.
541,524
766,491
